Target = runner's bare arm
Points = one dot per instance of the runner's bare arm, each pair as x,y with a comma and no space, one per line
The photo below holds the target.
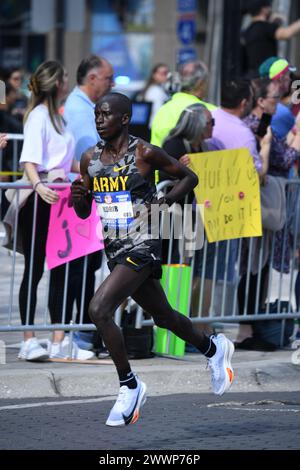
81,188
158,159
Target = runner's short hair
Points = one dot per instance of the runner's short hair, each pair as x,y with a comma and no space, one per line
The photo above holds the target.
120,102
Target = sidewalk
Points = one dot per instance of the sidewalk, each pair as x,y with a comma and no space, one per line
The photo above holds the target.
254,372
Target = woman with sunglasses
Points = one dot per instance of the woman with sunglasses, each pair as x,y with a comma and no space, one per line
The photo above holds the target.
191,134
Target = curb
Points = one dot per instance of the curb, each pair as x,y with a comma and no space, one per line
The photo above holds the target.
163,377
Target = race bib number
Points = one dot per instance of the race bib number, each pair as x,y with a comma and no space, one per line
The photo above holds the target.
115,209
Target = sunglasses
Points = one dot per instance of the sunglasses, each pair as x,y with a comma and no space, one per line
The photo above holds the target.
212,122
274,97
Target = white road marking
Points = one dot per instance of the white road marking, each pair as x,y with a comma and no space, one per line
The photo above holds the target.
286,410
238,407
56,403
99,400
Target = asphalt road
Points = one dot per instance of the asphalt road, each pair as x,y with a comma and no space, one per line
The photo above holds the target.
242,421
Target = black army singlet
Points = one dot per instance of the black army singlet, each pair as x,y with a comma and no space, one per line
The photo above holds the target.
119,191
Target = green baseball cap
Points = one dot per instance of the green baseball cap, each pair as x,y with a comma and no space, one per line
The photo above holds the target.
274,67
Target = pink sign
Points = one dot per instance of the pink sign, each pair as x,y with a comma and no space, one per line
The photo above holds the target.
70,237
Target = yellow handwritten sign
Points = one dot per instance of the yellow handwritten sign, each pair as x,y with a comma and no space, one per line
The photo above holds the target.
229,191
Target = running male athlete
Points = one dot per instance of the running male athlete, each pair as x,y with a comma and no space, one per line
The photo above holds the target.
122,167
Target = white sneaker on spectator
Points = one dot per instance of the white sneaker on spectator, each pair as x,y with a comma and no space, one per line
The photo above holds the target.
31,350
61,350
220,364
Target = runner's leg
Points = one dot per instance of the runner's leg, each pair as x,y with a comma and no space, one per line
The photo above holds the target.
120,284
152,298
218,349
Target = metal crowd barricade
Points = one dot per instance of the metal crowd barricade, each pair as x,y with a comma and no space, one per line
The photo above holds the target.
280,285
13,320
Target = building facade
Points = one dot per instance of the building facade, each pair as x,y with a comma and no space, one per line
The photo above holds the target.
132,34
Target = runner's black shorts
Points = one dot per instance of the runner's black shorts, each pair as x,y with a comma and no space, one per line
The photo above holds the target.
137,261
